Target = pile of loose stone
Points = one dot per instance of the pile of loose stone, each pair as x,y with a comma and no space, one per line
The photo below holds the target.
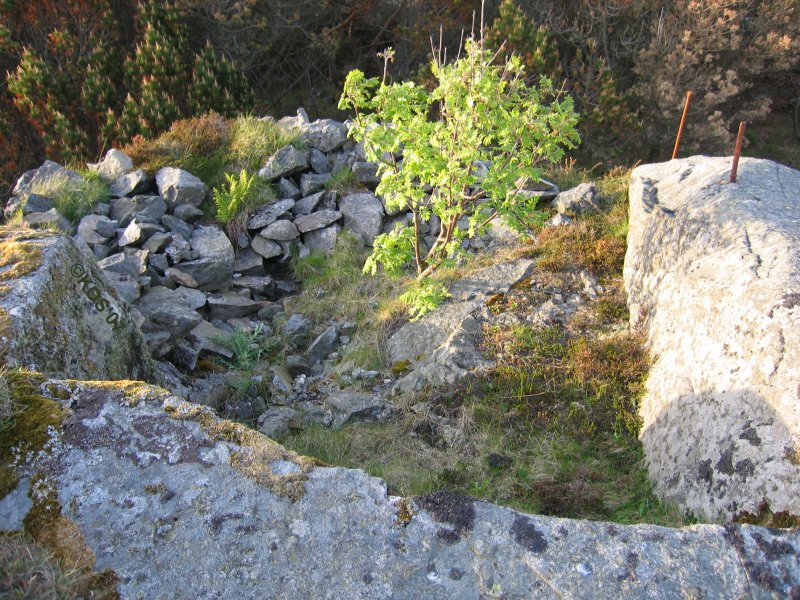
193,286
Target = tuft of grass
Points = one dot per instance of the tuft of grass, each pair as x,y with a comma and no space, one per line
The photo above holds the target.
343,181
74,199
30,571
254,140
249,347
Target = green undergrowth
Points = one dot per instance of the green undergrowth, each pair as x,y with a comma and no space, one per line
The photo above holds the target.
552,428
334,288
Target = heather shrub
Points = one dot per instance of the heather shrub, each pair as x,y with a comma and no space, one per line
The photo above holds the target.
733,54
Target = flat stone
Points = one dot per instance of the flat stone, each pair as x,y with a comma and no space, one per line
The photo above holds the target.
281,231
194,299
122,263
230,306
316,220
357,407
157,242
181,278
267,215
187,212
97,229
177,225
260,285
308,204
137,232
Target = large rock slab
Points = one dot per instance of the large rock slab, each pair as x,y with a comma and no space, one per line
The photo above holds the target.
713,273
441,347
179,504
213,268
59,315
177,186
363,215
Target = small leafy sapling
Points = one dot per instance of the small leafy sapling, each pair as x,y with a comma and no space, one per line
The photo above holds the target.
430,146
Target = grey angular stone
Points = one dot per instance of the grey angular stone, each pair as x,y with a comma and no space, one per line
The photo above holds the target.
325,135
260,285
308,204
275,422
102,208
560,220
158,262
230,306
48,176
194,299
269,310
363,215
249,262
578,201
318,161
295,124
287,189
296,326
167,319
316,220
266,248
122,263
322,240
324,344
157,242
187,212
441,348
712,277
131,184
137,232
213,268
313,182
341,160
149,208
114,165
203,340
51,219
281,231
29,203
177,249
358,407
366,172
269,214
97,229
177,186
286,161
127,287
177,225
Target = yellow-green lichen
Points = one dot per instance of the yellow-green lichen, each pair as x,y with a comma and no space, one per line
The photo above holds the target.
28,428
256,454
404,512
19,254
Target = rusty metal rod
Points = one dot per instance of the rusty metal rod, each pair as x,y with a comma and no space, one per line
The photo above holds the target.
738,151
683,122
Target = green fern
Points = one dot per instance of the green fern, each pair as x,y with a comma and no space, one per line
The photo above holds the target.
233,200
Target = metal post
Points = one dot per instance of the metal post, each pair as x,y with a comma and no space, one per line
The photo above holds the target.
683,122
738,151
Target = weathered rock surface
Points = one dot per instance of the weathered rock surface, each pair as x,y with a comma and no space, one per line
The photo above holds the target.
59,315
177,186
363,215
182,505
115,164
713,273
213,268
577,201
441,348
286,161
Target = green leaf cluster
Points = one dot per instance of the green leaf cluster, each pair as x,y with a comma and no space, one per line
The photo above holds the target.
433,149
424,297
232,198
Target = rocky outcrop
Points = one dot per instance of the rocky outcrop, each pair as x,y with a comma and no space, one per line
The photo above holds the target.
179,504
441,347
713,273
59,315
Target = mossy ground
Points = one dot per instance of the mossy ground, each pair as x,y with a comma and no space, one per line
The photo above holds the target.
552,428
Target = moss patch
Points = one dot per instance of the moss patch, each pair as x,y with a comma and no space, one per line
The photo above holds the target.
28,430
19,256
256,454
